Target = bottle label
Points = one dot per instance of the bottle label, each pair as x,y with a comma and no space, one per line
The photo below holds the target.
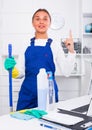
51,88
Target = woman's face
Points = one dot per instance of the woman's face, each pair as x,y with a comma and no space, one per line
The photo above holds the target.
41,22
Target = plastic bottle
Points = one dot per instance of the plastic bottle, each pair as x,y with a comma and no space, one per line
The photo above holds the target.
51,91
42,88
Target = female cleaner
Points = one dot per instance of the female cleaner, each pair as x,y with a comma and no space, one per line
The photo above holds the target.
43,52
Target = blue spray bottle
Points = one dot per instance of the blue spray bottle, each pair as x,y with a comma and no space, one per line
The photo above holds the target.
51,91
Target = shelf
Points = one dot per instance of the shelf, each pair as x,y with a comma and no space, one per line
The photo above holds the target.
87,14
74,75
87,34
79,54
82,54
77,74
87,54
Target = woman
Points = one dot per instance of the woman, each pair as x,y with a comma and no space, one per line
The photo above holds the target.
42,53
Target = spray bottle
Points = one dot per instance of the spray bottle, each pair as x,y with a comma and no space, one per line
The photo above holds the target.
51,91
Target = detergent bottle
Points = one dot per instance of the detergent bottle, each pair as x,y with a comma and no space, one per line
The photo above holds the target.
42,89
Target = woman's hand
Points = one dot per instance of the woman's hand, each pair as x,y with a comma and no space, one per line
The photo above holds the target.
9,63
69,43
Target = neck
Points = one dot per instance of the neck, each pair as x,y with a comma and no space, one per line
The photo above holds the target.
41,36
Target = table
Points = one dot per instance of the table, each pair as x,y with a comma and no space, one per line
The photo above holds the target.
9,123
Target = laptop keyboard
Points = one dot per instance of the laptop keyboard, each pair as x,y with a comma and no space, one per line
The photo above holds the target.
82,109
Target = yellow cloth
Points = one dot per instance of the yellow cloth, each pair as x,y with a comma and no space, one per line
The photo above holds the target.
15,73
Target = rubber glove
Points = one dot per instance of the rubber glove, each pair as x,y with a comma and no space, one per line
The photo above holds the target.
36,113
9,63
15,73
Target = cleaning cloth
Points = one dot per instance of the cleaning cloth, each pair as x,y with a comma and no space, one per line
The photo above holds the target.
36,113
21,116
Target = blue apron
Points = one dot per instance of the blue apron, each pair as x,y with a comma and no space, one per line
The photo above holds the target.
36,57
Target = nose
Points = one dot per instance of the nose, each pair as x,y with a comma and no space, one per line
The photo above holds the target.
41,21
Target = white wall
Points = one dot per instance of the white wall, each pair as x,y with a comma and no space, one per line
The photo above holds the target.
87,8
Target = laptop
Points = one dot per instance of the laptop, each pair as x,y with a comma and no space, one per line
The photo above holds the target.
87,109
89,112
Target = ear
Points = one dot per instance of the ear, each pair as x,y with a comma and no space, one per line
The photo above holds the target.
49,24
33,24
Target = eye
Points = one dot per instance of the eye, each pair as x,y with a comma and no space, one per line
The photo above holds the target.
36,18
45,19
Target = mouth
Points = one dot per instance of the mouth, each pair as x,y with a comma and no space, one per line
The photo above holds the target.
41,26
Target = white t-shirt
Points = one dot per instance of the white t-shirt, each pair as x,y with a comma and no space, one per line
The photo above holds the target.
64,64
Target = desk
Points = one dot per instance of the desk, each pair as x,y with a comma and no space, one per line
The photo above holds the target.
9,123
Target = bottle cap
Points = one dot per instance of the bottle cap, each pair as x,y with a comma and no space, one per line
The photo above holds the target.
49,74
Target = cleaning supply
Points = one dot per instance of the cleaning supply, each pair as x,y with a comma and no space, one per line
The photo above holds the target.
10,77
15,73
88,28
42,88
9,63
21,116
51,91
36,113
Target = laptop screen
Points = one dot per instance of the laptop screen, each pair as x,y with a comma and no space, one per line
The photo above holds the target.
89,112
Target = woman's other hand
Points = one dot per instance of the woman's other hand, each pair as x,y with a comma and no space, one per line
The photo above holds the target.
69,43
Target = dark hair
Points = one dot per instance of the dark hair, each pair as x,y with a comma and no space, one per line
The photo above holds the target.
41,10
